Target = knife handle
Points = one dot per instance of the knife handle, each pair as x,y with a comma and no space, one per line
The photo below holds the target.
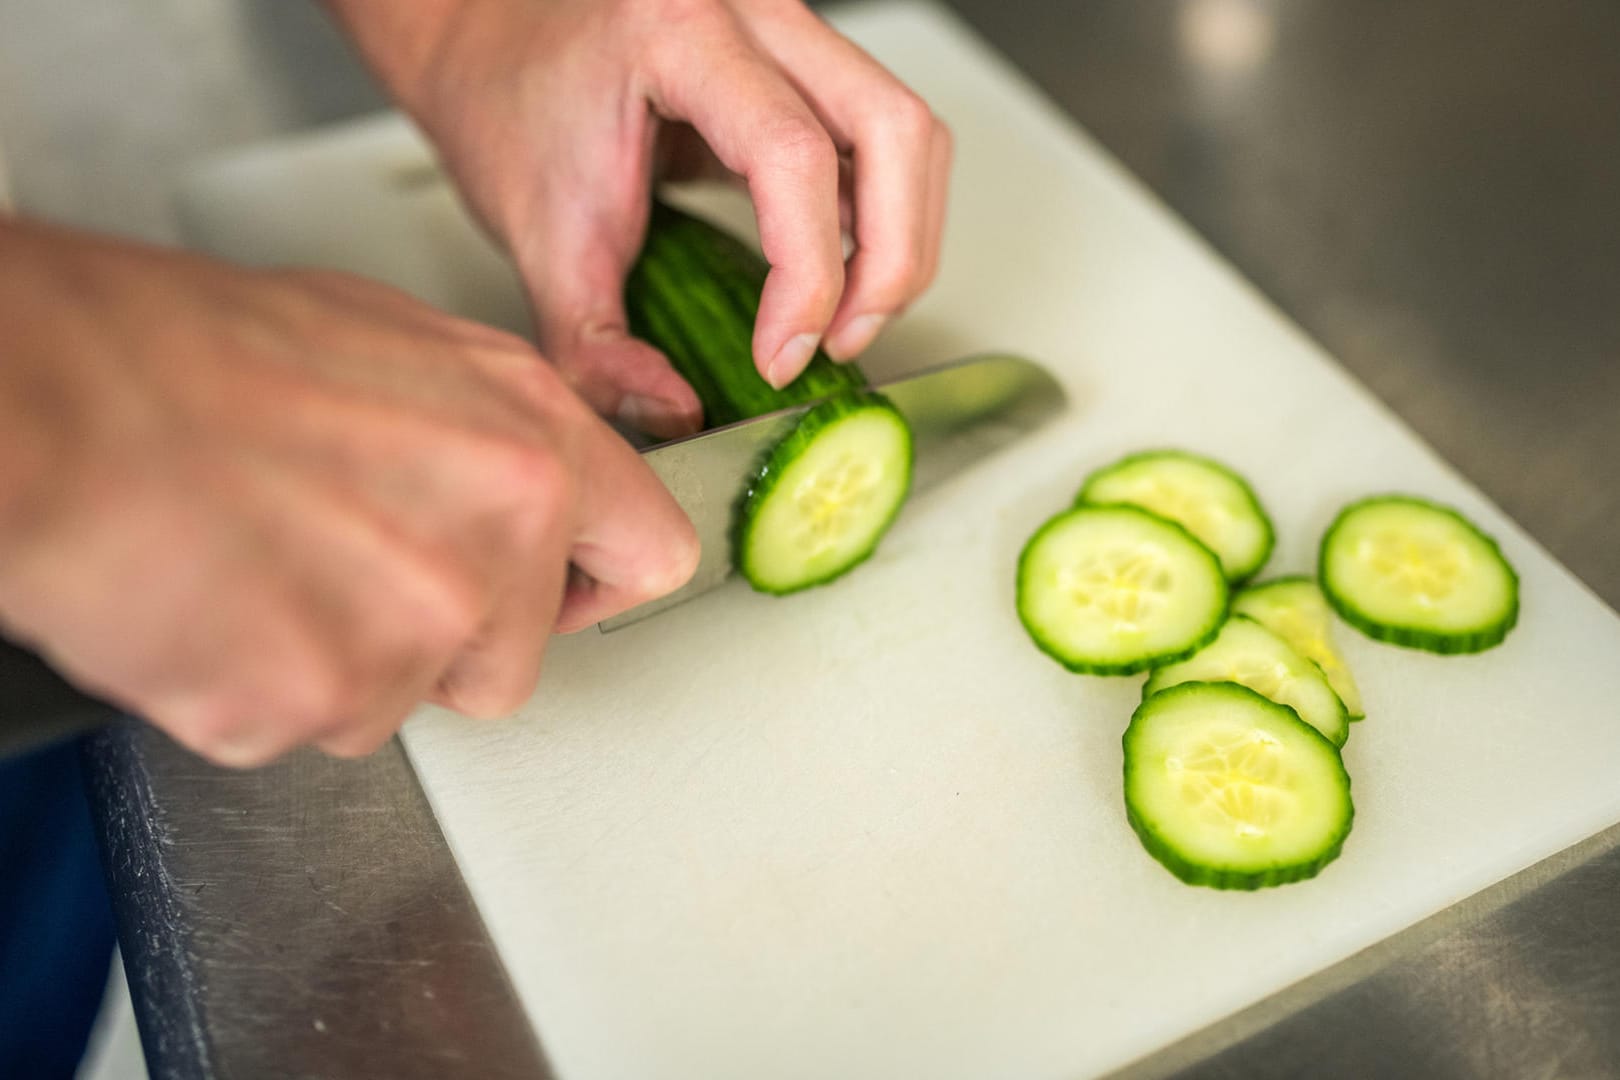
38,706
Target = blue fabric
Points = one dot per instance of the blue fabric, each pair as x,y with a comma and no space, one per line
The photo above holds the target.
56,927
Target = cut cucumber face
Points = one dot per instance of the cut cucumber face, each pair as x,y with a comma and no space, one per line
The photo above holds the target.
1113,590
1246,653
1230,790
1206,498
826,494
1295,610
1411,572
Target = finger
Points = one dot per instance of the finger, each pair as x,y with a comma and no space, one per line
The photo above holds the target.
578,285
629,380
366,731
498,669
939,184
761,128
887,270
890,134
683,156
632,543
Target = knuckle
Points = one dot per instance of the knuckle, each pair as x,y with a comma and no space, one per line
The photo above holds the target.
529,473
524,479
493,693
892,280
801,145
911,117
452,610
822,289
319,697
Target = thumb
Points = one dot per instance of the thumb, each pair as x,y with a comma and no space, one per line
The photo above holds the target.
629,380
577,288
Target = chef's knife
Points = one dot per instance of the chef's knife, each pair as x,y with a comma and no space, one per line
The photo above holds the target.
959,414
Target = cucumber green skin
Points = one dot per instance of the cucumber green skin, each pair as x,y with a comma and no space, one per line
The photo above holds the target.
1416,637
1239,574
810,427
1284,579
1170,857
1128,667
693,294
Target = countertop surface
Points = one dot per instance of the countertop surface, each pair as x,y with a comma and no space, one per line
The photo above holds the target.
1428,189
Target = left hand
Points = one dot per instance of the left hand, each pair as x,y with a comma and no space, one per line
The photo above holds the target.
555,115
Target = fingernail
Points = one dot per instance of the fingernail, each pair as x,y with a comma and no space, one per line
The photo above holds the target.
791,358
655,416
856,335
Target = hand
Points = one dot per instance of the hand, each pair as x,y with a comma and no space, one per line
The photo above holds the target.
264,509
554,115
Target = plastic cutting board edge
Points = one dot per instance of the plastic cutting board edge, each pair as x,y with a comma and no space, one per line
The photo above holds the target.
870,831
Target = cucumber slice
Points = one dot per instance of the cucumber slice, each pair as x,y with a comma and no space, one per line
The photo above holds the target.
1294,609
1113,590
1246,653
1233,791
827,492
1209,500
1409,571
825,495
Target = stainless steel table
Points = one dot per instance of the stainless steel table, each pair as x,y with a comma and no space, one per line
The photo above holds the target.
1429,188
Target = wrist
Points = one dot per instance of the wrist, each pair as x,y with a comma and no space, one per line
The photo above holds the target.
399,42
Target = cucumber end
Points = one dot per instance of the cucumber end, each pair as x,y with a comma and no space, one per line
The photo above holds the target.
825,495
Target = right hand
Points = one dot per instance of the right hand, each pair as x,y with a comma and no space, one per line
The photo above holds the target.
264,509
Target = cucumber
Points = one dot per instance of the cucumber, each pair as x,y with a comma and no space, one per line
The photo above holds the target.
1246,653
1113,590
693,293
822,498
1411,572
826,494
1230,790
1294,609
1211,501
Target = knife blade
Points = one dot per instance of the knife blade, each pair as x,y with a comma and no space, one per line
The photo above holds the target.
959,413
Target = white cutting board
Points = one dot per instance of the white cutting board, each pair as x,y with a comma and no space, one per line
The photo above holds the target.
870,831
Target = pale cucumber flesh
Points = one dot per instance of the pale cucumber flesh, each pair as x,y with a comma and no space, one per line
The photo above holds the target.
826,496
1295,610
1246,653
1414,573
1116,590
1233,791
1206,498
